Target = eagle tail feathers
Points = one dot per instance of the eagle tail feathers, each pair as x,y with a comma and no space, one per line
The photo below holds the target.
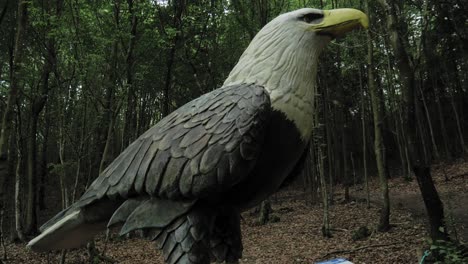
76,225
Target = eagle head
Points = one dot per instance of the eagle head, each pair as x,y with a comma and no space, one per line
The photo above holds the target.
283,58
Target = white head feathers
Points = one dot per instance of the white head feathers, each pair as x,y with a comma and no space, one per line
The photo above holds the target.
283,58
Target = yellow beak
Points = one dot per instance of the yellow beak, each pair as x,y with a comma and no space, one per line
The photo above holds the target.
337,22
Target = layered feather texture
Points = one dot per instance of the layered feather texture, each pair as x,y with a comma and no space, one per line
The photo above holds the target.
202,149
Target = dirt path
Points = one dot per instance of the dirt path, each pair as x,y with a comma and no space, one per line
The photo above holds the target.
455,208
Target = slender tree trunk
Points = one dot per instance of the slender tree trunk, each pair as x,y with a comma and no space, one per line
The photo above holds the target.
2,237
422,135
420,168
18,179
459,128
18,198
37,107
364,139
379,147
111,115
326,232
427,50
5,132
353,168
405,141
179,10
429,123
110,108
130,124
80,153
344,150
106,153
453,81
63,185
31,211
310,176
402,148
330,161
443,128
43,164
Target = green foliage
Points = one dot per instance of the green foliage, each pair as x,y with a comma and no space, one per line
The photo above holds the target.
448,252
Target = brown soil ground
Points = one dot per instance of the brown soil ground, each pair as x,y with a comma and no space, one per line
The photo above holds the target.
452,185
296,237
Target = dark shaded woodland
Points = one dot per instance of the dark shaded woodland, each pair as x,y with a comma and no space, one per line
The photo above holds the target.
80,80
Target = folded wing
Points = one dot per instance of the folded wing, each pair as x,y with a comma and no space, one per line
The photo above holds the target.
201,149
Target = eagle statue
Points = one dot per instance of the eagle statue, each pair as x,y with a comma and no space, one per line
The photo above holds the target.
185,181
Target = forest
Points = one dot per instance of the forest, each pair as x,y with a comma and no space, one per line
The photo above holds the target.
80,80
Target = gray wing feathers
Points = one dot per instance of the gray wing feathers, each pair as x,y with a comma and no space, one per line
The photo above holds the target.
144,215
207,144
185,241
123,212
74,226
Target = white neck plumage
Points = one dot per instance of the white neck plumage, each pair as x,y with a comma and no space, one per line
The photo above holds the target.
287,67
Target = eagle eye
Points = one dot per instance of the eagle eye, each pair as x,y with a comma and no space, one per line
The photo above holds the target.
311,17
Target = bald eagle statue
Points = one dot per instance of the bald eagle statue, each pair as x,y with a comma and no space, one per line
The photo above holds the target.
186,180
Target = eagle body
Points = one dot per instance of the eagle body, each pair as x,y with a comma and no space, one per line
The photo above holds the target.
281,152
186,180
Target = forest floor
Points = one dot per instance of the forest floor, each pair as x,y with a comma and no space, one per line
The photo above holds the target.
452,186
296,235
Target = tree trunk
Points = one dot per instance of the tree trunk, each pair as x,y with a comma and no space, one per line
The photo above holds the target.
43,164
130,124
5,132
63,185
344,151
106,153
326,232
443,128
406,70
379,147
18,197
402,148
328,131
179,10
459,128
429,123
110,108
422,135
19,180
432,200
309,175
80,153
364,140
37,107
2,237
31,212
